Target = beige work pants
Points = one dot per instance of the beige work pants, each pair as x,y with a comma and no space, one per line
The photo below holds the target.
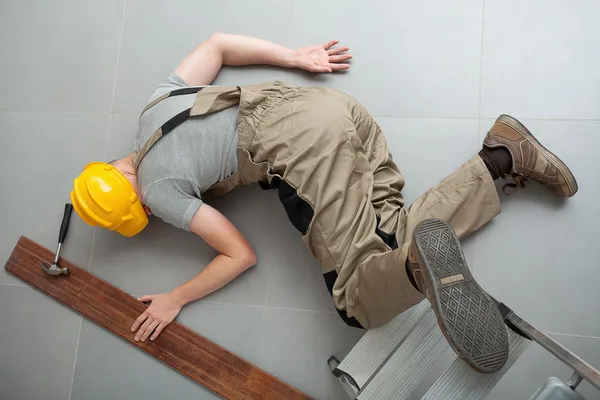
330,163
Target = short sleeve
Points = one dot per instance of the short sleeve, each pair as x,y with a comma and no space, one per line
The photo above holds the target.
172,200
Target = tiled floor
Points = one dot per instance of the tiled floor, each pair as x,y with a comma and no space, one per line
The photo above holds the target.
75,74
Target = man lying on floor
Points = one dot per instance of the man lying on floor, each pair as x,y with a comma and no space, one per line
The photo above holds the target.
329,162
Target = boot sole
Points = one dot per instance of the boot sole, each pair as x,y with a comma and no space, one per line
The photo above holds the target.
557,162
466,314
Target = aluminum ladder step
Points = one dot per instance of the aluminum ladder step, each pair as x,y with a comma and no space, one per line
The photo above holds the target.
391,361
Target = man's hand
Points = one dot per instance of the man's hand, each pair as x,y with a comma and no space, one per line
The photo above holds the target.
161,312
323,58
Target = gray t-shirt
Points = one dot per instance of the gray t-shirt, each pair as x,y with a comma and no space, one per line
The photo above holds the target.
188,160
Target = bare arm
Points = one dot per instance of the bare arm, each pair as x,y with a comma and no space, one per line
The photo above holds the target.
236,255
199,68
203,64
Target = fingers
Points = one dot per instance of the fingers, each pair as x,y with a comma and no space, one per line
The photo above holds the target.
329,44
339,58
142,329
339,67
148,297
319,69
150,329
157,331
139,321
337,50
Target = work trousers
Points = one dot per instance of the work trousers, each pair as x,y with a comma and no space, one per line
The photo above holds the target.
330,164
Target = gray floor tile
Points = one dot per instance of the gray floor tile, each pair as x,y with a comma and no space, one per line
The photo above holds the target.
158,35
237,328
538,255
45,153
59,55
38,337
545,65
294,279
427,150
123,130
536,365
411,59
110,368
297,344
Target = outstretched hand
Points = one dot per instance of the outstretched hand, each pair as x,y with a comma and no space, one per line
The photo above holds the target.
323,58
162,311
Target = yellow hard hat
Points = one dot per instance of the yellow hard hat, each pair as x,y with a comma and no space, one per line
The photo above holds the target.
102,196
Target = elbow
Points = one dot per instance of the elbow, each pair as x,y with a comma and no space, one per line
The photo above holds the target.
216,38
248,259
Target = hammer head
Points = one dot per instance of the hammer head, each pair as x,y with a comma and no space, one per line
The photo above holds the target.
54,269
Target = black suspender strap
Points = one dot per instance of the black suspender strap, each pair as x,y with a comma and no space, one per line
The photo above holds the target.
176,92
168,126
176,120
185,90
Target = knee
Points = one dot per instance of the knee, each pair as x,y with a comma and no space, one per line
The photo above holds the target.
350,321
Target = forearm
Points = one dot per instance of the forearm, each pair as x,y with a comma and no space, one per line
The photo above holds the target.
240,50
219,272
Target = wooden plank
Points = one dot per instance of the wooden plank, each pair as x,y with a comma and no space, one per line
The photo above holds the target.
179,347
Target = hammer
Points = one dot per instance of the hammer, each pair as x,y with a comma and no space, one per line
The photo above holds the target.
64,227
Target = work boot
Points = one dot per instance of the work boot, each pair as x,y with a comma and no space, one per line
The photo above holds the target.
466,314
530,160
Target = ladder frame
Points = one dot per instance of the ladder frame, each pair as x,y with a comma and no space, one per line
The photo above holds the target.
581,369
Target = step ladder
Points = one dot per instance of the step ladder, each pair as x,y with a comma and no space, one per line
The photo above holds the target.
390,362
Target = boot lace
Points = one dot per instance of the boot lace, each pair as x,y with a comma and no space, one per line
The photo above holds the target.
519,182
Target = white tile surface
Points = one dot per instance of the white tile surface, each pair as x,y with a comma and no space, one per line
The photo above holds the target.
428,150
539,255
411,58
159,34
237,328
540,59
536,365
295,278
110,368
59,55
44,152
297,344
39,340
416,67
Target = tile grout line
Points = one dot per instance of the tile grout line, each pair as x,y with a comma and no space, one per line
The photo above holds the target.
264,312
14,285
112,102
286,75
73,112
266,307
76,354
575,119
480,68
262,332
81,318
572,335
114,89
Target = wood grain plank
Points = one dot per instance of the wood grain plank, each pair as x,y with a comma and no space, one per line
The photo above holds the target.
179,347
